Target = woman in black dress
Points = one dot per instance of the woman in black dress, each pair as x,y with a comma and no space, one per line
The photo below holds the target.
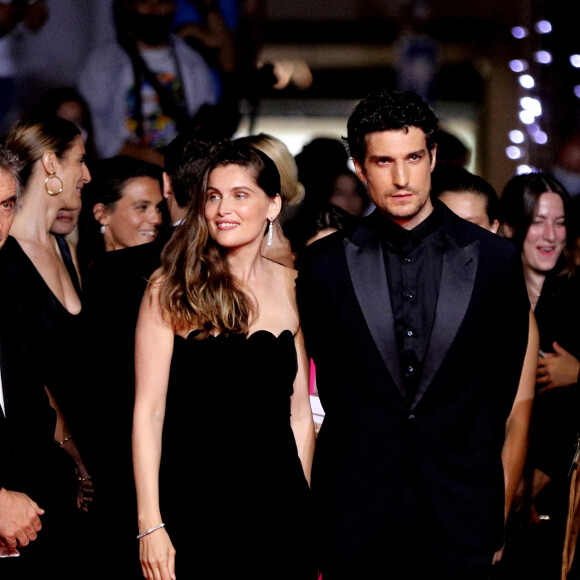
222,386
39,280
536,213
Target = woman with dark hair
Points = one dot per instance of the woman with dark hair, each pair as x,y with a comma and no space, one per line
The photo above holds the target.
122,207
222,378
535,212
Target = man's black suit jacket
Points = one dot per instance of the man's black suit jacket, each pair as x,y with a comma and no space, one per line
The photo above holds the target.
446,441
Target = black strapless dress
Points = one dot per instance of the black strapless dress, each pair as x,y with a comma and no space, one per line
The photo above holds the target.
232,489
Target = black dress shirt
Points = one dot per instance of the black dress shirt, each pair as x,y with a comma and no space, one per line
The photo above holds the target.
413,261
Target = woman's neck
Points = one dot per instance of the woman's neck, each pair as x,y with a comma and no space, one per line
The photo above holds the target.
534,284
244,263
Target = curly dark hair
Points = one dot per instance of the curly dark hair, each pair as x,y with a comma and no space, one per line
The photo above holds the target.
387,110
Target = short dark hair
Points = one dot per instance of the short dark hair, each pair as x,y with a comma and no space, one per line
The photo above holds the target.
386,110
449,178
186,159
518,202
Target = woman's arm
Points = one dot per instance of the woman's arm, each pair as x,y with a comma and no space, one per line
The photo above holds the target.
64,438
153,351
301,412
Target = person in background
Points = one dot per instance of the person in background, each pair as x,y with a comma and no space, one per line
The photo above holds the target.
535,214
122,207
68,103
278,247
14,14
217,305
467,195
146,88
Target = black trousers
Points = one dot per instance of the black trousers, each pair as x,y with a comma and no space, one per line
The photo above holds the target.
406,551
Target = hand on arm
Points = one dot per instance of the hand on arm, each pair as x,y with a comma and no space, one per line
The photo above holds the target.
62,435
19,521
557,369
153,351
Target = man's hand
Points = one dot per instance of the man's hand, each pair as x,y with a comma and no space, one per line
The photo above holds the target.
19,519
557,369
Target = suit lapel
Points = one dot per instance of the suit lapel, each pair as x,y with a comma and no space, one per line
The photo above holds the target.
457,281
367,271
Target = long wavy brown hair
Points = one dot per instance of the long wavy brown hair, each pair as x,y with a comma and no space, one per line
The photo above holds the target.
197,291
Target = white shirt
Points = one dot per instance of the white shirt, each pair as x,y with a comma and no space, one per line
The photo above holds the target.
2,396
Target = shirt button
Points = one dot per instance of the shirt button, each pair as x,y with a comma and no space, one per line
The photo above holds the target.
411,417
409,333
410,369
408,295
407,260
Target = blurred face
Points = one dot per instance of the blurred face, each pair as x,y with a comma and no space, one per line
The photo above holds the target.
469,206
237,209
73,112
546,236
74,174
346,196
397,172
135,217
7,203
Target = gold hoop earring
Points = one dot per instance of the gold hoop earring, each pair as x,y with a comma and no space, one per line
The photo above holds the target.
53,175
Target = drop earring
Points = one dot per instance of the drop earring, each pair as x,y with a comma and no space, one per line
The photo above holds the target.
270,231
103,228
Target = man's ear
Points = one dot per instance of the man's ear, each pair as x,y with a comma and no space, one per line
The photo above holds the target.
167,187
100,212
433,156
359,170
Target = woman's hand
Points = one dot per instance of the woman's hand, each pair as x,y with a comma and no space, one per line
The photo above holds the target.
85,489
157,556
557,369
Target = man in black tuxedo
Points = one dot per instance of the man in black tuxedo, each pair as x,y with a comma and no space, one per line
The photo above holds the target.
418,324
19,514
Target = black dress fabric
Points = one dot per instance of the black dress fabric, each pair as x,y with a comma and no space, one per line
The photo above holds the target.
39,347
232,489
51,334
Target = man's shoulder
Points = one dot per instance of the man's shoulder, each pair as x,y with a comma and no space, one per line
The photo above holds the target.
464,233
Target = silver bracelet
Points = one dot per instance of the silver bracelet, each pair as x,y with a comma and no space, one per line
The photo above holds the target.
151,530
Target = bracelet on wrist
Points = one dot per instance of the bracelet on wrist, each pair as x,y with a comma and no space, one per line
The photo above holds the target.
67,438
150,530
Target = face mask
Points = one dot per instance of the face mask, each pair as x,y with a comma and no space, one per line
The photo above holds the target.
152,29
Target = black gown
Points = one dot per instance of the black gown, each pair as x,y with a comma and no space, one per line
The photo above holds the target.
41,346
232,490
